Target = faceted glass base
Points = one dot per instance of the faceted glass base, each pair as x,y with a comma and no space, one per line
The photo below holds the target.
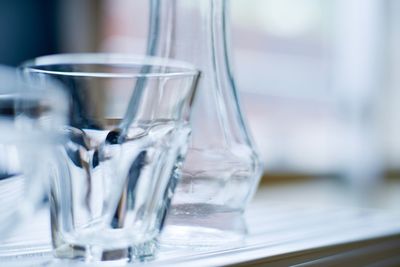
92,253
202,225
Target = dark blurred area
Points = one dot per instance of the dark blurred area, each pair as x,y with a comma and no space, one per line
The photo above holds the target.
28,29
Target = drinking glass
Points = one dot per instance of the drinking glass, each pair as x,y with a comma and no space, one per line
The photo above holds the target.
127,138
29,119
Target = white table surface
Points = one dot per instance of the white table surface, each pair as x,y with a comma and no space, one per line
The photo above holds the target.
276,227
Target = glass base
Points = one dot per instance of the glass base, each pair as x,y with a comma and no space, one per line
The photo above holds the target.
203,225
92,253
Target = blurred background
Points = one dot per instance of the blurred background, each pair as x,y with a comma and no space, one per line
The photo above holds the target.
319,82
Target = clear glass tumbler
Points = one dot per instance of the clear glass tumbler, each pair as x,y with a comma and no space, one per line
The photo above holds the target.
128,134
30,117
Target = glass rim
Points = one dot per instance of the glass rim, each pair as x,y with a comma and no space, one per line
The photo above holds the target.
183,69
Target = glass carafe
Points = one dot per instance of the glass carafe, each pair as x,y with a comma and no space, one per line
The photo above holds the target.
222,168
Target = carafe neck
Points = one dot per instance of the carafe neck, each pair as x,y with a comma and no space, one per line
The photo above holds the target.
197,31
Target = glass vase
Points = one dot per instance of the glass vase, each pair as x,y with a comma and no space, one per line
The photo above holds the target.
222,168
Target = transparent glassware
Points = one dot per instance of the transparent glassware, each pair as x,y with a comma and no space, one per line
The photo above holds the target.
30,117
222,168
127,138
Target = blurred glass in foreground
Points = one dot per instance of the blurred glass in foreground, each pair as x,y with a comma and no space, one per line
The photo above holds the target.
30,117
